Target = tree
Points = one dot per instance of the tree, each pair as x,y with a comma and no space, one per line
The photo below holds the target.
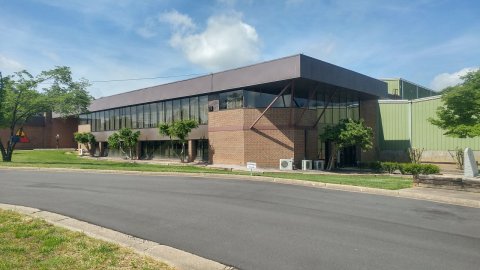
347,133
125,140
87,139
460,114
24,96
180,131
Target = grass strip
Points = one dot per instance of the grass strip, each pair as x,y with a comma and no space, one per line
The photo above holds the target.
32,243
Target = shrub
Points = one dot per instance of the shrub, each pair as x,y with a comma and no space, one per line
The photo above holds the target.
376,166
389,167
430,169
417,169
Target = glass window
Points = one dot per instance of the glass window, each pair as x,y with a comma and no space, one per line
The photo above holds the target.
154,115
117,119
194,110
128,117
342,107
112,119
255,99
107,120
185,108
168,111
335,110
146,116
161,112
139,116
102,121
134,116
203,105
231,100
94,122
177,110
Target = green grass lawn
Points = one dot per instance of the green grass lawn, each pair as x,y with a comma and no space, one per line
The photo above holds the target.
30,243
62,159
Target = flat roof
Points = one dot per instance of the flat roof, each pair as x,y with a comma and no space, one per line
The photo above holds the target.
286,68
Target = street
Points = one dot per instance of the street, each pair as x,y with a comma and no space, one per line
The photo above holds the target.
257,225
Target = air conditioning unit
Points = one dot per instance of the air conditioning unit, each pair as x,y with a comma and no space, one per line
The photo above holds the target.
286,164
306,165
319,165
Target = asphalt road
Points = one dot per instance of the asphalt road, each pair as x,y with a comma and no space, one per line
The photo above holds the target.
255,225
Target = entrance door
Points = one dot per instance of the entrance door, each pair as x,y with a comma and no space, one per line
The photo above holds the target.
348,157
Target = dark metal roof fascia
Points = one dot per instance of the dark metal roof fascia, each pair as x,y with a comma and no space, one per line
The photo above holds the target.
318,70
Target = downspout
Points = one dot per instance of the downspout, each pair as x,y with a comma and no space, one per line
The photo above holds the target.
410,123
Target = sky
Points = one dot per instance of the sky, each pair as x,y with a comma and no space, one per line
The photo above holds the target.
429,42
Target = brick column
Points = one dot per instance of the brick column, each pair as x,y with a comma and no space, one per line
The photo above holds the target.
138,150
192,150
101,149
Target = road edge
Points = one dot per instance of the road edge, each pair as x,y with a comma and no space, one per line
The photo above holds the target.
401,193
176,258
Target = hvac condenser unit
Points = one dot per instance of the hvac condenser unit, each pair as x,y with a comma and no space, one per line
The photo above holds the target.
306,165
319,165
286,164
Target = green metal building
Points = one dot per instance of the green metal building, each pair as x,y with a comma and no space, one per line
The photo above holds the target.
404,123
399,88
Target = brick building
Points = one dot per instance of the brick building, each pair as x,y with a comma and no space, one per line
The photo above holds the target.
261,113
42,131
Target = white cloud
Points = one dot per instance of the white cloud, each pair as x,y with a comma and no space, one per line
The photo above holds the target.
444,80
9,65
226,42
180,22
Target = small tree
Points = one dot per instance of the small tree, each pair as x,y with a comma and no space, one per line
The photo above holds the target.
415,155
125,140
87,139
179,130
460,114
347,133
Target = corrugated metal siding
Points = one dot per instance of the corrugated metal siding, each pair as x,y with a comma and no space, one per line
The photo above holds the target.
393,132
430,137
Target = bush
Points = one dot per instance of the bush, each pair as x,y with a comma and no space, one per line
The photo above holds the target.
430,169
389,167
376,166
417,169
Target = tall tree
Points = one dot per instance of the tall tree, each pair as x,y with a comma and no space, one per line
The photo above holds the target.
179,130
24,96
460,114
347,133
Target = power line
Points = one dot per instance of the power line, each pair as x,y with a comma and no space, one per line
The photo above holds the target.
140,79
148,78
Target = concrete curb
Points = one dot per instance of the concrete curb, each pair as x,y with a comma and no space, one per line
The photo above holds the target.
179,259
394,193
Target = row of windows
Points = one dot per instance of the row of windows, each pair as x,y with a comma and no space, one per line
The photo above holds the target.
252,99
149,115
340,106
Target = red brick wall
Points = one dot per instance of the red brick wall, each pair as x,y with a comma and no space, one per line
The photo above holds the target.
44,136
280,133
